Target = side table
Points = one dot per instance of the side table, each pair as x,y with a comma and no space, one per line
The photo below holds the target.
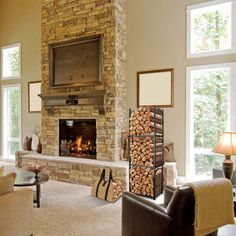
24,178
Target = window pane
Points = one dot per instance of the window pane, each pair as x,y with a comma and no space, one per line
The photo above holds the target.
11,62
13,112
211,28
13,147
11,120
210,105
204,164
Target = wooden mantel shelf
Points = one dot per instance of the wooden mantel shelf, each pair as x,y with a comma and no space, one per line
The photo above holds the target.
74,99
73,95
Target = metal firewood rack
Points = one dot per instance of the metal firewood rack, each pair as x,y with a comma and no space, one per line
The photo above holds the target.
158,161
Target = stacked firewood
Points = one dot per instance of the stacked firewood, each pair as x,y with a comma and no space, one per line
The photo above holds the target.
145,122
116,190
142,122
142,181
142,151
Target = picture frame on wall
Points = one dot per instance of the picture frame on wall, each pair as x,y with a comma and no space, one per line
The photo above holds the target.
155,88
34,101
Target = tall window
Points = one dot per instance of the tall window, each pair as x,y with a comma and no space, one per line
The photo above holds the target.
11,96
211,28
11,63
210,111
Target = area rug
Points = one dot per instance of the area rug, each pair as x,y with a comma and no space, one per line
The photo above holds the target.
69,210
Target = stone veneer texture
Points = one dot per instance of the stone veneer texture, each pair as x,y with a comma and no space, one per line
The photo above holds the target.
64,20
77,173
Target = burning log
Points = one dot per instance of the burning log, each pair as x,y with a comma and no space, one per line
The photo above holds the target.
76,145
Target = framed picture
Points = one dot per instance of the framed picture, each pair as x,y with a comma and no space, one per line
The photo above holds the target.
155,88
34,89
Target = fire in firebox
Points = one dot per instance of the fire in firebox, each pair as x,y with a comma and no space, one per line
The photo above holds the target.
78,139
79,147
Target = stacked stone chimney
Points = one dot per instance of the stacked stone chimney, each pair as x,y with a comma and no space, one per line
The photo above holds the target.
64,20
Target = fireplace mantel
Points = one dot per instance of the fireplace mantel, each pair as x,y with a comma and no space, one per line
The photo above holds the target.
75,98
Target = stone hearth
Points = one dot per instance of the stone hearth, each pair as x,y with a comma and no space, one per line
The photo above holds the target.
76,170
64,20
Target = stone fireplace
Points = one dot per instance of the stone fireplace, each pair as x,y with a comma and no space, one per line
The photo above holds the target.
77,138
105,102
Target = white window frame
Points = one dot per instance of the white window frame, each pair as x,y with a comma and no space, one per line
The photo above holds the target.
189,111
4,117
2,49
233,30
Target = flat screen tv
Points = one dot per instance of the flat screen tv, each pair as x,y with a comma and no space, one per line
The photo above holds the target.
76,63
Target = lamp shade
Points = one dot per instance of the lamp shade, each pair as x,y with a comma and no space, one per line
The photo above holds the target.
226,144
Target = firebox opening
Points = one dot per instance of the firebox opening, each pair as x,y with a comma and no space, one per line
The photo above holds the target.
77,138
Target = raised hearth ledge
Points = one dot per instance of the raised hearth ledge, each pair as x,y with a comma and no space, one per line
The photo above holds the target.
77,170
117,164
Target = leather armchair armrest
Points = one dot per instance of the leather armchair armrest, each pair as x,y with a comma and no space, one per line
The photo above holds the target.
141,217
146,202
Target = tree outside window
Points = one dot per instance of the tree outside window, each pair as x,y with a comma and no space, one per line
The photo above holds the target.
11,120
210,115
211,28
11,62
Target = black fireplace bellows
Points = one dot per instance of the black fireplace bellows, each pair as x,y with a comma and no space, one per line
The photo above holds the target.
77,138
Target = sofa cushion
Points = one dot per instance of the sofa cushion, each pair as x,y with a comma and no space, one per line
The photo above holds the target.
169,153
27,143
7,183
35,142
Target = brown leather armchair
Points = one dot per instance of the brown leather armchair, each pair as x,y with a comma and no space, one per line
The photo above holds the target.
141,217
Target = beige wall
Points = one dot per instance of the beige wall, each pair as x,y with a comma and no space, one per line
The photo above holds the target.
156,40
20,23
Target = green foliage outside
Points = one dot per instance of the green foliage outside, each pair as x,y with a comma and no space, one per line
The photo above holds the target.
14,118
210,88
210,107
14,112
211,31
14,61
13,147
205,163
210,115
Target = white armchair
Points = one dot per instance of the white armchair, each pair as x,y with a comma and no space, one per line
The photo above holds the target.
16,210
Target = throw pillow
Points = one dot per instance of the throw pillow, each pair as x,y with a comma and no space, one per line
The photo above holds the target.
169,153
7,183
27,143
35,142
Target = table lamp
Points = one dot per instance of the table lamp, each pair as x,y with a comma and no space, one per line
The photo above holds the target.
227,146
